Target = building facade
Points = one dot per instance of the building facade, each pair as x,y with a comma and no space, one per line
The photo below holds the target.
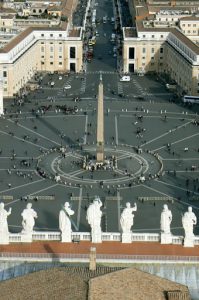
39,49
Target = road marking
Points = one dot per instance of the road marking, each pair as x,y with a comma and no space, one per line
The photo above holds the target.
180,201
17,200
25,141
192,158
86,130
150,188
19,186
36,133
18,157
176,186
118,209
186,138
116,131
21,170
79,208
164,134
127,187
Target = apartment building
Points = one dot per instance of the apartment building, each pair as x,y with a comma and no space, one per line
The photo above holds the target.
189,26
39,49
163,50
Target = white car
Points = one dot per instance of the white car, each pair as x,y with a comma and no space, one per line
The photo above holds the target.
52,83
125,78
60,77
67,87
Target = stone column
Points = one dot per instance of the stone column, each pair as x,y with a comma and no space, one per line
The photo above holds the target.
92,261
100,123
1,97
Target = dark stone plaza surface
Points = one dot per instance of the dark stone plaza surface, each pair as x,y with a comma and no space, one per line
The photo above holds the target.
137,114
32,135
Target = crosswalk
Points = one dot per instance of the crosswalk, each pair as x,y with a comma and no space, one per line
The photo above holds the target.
83,86
120,88
100,72
61,92
141,91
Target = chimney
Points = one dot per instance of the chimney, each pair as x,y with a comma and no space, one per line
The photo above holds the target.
92,261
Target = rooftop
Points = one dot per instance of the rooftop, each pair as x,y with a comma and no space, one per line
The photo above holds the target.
79,283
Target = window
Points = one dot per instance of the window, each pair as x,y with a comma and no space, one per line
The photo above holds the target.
42,49
5,89
60,43
144,36
162,36
152,57
152,64
51,35
189,25
51,56
153,36
60,63
42,62
60,56
60,49
152,50
60,35
161,50
51,49
131,53
42,56
72,52
143,50
143,64
42,35
42,43
51,63
143,57
4,73
194,25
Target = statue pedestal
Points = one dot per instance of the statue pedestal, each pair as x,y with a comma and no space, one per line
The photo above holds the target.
26,237
4,239
126,238
166,238
96,237
66,238
189,242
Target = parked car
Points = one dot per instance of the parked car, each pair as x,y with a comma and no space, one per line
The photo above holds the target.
67,87
60,77
125,78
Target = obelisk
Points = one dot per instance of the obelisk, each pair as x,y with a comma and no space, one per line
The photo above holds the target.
1,97
100,123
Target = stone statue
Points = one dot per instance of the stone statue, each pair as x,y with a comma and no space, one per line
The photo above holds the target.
165,220
126,222
94,215
65,222
28,221
188,221
4,233
126,219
